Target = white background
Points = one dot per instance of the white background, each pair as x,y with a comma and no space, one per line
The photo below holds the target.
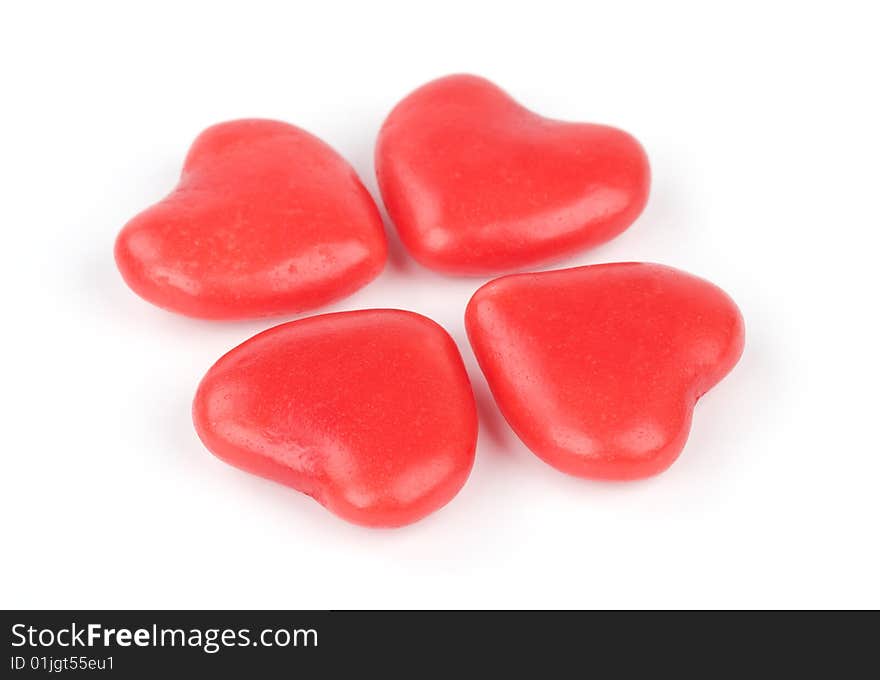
761,122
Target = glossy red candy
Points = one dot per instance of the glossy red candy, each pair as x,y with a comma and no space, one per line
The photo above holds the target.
598,368
476,183
267,219
370,412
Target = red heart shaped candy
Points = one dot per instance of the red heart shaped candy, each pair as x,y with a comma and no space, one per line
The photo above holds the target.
370,412
476,183
597,369
267,219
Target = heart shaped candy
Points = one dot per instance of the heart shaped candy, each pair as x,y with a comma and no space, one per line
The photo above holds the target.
476,183
267,219
597,369
370,412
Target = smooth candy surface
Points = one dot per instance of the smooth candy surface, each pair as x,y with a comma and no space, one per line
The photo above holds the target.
477,184
267,219
370,412
597,369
